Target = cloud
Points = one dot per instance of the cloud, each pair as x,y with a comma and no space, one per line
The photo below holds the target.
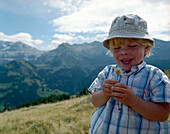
22,37
66,6
72,38
65,38
54,44
95,16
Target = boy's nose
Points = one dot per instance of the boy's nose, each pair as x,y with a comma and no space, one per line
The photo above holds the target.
124,51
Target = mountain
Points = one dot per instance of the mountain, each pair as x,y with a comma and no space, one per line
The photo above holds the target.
160,54
10,51
93,55
85,55
20,82
161,50
27,73
71,65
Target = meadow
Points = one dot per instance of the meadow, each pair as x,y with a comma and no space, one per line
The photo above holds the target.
66,117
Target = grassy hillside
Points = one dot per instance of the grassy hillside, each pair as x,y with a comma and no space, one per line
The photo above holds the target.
67,117
167,72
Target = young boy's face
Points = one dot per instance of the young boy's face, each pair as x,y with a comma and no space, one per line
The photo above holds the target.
129,54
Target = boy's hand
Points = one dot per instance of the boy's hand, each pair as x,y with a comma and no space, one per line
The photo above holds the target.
121,92
106,87
101,97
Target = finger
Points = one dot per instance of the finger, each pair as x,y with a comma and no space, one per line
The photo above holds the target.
110,81
106,85
118,89
117,95
117,99
122,85
107,90
107,94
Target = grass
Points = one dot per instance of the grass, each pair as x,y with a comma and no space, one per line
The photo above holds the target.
66,117
169,123
167,72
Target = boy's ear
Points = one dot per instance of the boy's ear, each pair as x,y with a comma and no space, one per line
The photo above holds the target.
146,49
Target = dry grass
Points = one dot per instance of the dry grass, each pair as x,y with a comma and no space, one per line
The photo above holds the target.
169,123
67,117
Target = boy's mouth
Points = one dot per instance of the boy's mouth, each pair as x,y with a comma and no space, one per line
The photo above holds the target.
126,61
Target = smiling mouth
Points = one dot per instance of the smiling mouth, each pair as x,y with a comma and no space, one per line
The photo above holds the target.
126,61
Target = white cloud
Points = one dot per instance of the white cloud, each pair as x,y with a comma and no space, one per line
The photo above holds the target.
63,38
74,39
162,36
22,37
54,44
49,10
95,16
66,6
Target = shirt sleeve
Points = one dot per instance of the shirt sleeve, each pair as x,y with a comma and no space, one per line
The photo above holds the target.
160,87
98,82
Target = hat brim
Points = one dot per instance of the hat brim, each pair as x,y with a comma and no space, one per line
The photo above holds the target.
125,35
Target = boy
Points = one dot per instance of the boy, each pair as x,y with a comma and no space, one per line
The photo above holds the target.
142,91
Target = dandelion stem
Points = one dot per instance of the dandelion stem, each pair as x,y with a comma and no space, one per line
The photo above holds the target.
118,101
118,72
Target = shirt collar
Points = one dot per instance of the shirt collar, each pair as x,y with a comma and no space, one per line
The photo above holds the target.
134,68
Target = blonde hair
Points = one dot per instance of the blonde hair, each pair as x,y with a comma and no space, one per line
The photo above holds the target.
120,41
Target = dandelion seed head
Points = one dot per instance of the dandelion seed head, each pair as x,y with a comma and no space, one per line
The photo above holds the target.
118,71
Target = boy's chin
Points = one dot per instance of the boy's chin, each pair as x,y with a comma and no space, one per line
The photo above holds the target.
127,69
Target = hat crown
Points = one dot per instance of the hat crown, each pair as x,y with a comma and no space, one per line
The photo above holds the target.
129,22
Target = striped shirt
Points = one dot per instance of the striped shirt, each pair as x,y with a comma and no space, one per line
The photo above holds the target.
147,82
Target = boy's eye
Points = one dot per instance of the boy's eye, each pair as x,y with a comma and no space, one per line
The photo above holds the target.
117,48
132,46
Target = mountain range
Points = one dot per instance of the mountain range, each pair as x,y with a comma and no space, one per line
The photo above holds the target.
27,73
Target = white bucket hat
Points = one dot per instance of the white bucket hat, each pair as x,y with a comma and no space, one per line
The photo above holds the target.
128,26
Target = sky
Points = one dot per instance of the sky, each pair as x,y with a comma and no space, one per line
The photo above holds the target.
45,24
